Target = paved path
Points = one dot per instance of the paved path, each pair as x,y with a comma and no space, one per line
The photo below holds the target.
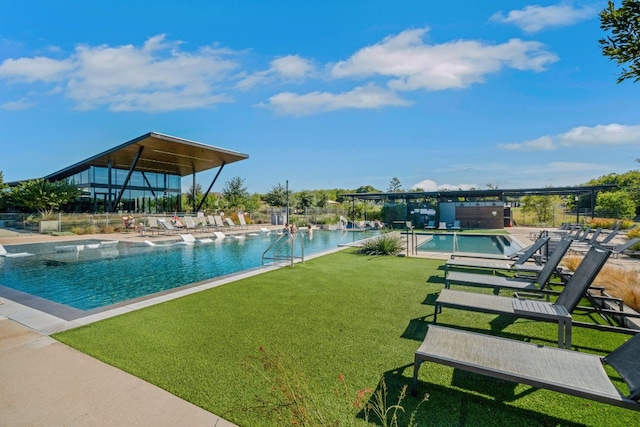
46,383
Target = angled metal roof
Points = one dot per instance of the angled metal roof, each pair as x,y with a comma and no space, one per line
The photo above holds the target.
159,153
451,194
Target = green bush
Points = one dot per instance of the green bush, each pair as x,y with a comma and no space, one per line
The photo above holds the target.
385,244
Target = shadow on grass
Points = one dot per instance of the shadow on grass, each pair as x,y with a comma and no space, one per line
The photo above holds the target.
436,279
431,299
483,401
417,328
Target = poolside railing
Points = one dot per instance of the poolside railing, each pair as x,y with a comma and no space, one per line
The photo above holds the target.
288,241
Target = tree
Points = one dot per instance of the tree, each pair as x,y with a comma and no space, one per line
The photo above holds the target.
616,204
1,185
277,197
253,203
394,185
623,45
306,199
235,193
541,206
322,199
367,189
44,196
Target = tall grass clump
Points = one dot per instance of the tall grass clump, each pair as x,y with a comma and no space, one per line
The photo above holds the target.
292,399
385,244
617,281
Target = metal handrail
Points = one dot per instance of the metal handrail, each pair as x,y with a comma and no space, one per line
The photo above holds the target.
280,242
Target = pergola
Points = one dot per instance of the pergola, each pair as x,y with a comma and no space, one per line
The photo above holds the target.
158,153
488,194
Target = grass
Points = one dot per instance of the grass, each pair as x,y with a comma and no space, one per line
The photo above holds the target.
342,322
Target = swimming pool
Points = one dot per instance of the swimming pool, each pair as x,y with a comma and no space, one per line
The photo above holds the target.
471,243
101,275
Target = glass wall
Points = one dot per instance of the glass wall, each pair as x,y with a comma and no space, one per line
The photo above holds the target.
145,193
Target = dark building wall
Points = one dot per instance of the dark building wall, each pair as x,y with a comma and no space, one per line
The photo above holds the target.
480,216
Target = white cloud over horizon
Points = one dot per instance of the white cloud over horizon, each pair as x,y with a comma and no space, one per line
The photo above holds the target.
363,97
431,185
414,65
160,75
580,136
288,68
535,18
157,76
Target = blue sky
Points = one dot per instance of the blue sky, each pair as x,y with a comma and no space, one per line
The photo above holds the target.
324,94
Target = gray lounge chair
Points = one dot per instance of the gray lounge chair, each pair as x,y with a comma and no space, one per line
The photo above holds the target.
558,311
557,369
516,283
609,238
618,249
518,264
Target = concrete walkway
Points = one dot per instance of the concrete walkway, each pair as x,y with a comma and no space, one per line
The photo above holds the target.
46,383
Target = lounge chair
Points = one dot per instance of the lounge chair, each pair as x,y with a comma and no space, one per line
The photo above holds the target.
168,227
609,238
431,225
218,221
190,224
442,226
456,225
615,249
561,370
519,263
618,249
190,240
558,311
500,282
219,234
4,253
243,221
230,222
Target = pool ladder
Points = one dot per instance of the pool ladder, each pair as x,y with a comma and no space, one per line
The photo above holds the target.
285,241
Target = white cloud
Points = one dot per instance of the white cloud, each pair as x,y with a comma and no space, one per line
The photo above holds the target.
288,68
612,134
365,97
414,65
155,77
540,144
430,185
21,104
35,69
536,18
581,136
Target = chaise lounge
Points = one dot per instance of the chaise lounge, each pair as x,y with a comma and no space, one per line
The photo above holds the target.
557,369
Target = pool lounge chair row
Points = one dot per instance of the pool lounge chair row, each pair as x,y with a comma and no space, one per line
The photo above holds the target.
178,225
557,369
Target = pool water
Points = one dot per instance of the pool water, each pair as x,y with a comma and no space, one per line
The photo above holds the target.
93,278
471,243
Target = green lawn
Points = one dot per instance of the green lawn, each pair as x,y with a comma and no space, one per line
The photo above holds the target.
338,316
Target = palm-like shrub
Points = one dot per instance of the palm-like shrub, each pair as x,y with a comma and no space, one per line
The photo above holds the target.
385,244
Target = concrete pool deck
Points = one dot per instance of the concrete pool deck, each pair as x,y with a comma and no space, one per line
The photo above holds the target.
44,382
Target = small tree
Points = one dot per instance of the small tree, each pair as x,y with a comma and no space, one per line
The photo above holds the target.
235,193
617,204
277,197
623,45
322,199
44,196
541,206
394,185
306,199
